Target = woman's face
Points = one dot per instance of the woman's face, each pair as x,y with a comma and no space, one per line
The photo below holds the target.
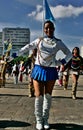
49,29
75,51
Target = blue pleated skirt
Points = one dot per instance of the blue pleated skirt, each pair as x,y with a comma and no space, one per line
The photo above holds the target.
41,73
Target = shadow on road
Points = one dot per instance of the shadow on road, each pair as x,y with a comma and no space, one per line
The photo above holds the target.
64,97
12,123
63,126
13,95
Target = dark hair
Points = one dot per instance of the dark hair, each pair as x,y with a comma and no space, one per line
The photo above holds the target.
48,21
78,50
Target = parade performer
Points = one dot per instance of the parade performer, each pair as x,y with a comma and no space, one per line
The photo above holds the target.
4,61
60,74
44,73
30,64
15,72
75,64
2,78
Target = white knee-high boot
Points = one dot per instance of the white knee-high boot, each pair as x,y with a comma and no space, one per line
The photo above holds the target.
38,112
46,108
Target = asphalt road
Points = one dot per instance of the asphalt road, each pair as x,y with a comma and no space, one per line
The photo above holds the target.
17,109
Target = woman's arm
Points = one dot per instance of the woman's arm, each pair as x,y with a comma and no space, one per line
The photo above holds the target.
66,51
28,47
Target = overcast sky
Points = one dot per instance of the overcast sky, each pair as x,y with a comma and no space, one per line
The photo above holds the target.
29,13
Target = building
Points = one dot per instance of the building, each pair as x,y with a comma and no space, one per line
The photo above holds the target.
1,46
19,37
81,51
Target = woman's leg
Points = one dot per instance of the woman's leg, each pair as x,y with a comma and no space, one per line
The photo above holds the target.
65,81
14,77
31,87
0,80
47,102
39,89
74,85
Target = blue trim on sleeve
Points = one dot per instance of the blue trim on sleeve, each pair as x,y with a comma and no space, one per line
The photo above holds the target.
63,61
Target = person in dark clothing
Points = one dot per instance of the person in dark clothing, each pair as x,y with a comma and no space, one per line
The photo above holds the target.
15,72
30,63
75,64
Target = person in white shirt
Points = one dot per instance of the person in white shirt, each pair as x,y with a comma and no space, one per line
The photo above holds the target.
15,72
44,72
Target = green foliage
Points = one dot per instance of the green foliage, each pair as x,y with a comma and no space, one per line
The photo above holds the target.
18,59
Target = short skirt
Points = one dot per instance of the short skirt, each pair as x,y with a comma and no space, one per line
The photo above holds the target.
76,72
42,73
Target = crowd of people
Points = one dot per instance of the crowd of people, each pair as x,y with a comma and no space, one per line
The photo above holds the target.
43,71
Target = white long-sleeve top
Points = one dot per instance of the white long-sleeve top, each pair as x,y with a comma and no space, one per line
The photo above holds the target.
47,50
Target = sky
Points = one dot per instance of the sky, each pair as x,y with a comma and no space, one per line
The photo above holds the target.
68,16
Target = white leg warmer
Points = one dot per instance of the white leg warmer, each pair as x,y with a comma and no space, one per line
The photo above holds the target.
38,112
46,108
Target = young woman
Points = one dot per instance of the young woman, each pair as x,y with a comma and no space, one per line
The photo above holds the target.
75,65
44,73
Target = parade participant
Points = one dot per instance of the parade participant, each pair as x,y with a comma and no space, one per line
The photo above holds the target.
15,72
1,66
60,74
30,63
20,72
75,65
44,73
8,70
3,70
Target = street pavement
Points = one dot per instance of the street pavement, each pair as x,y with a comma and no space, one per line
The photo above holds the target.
17,109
